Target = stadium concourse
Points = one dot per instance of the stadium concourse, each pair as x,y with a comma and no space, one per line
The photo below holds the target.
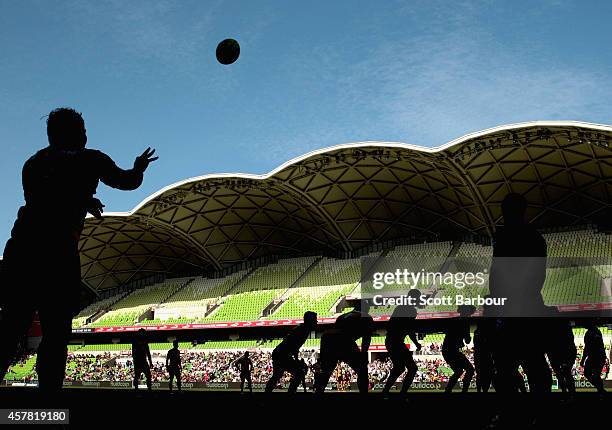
227,263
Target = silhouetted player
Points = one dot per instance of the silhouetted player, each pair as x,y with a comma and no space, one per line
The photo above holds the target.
59,183
483,355
519,262
339,344
483,351
245,365
456,335
517,274
594,356
141,355
401,324
173,364
285,355
304,369
561,352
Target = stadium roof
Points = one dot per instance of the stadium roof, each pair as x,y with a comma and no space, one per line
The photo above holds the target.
347,196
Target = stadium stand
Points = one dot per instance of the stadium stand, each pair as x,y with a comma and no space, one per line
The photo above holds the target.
582,252
93,309
195,300
579,243
288,288
127,310
321,288
249,298
429,257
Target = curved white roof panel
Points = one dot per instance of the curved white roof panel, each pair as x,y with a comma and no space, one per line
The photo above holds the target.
347,196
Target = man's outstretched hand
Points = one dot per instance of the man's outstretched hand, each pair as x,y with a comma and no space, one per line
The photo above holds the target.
143,160
95,207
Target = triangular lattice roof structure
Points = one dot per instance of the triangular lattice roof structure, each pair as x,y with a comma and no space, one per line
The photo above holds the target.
348,196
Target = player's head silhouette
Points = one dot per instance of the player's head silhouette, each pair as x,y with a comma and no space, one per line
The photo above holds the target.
513,209
175,343
66,129
310,319
415,295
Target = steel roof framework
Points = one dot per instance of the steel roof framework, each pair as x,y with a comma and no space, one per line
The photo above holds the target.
349,196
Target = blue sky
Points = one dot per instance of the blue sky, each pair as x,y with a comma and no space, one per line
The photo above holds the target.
311,74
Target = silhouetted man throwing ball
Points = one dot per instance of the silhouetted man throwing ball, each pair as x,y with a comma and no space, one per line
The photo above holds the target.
42,271
339,344
173,364
285,355
141,355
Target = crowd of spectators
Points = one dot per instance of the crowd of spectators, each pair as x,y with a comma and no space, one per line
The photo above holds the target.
219,366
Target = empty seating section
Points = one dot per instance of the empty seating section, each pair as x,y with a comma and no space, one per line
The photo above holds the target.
481,254
165,346
587,257
111,347
580,243
321,288
571,285
228,344
127,310
470,258
119,347
317,299
563,285
427,257
95,307
191,303
332,271
312,343
249,298
78,321
242,296
433,338
377,340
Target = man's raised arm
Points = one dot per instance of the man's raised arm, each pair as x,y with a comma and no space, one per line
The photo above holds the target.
127,180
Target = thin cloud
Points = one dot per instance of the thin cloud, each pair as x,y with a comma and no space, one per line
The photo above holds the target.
456,78
150,31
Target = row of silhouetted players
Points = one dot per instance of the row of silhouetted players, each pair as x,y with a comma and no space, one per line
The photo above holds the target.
496,357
